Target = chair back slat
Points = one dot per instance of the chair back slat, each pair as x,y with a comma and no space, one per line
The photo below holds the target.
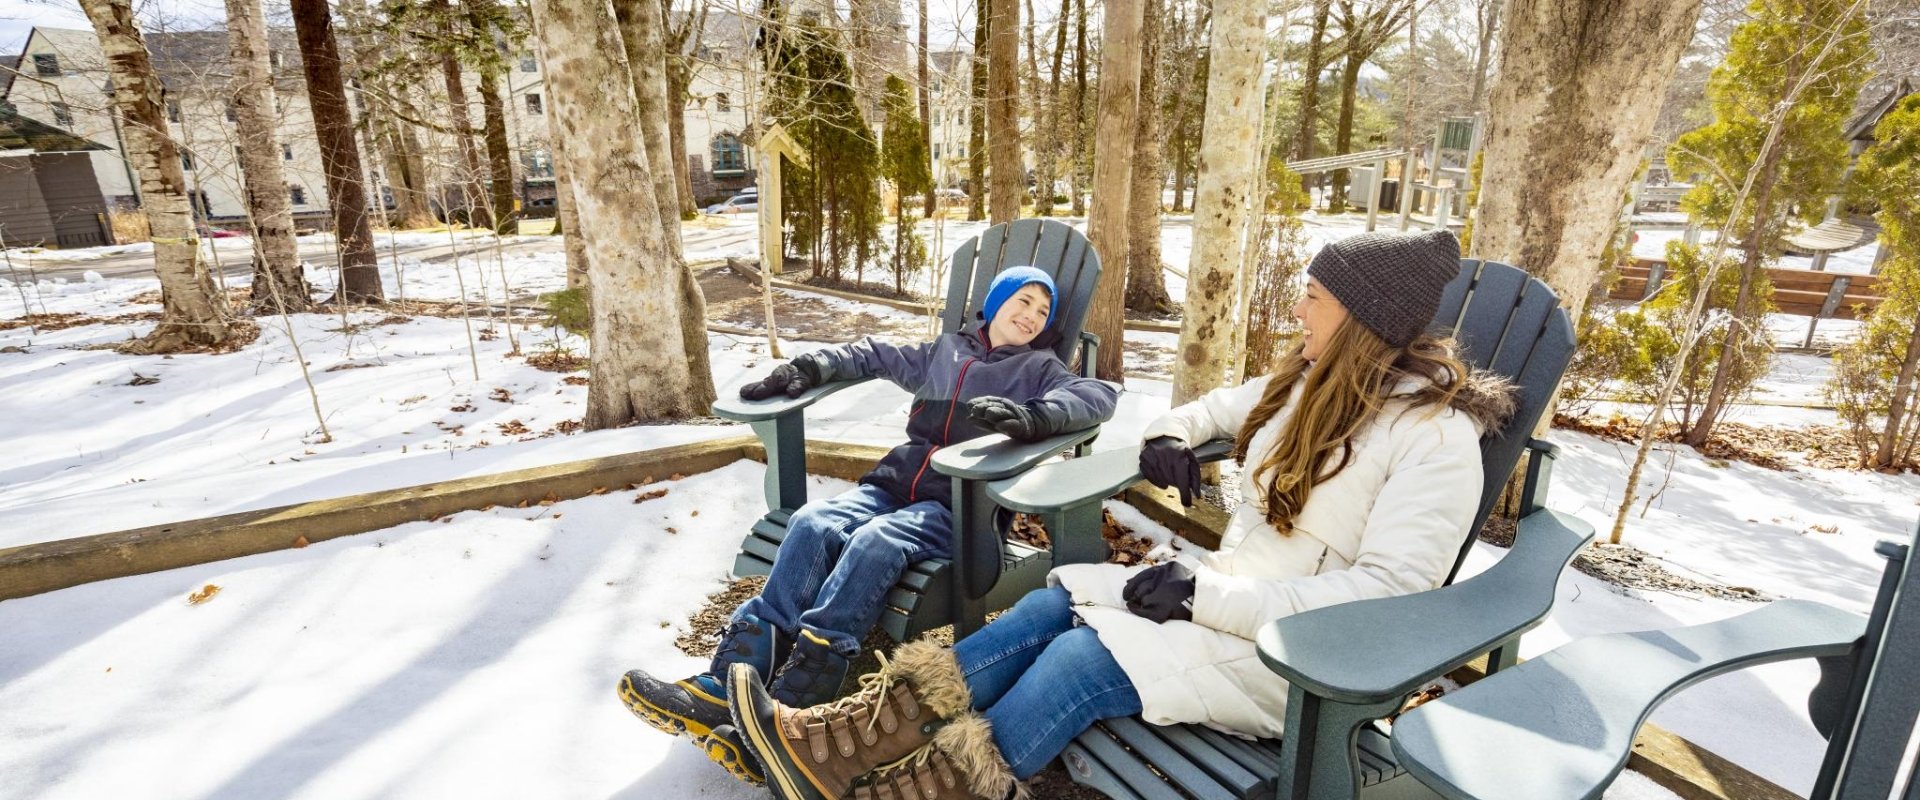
1867,760
1049,245
1512,325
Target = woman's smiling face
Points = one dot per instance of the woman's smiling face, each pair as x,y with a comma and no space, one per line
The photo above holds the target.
1320,315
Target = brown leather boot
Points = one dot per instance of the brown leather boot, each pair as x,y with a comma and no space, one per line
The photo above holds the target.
961,763
815,753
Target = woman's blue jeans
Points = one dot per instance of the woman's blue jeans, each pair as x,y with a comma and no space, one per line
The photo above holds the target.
1040,680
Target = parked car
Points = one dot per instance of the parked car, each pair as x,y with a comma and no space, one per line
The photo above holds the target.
951,197
738,204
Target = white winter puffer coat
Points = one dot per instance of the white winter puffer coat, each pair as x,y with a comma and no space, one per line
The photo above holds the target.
1389,523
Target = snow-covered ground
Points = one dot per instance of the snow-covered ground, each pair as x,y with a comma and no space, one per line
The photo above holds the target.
477,655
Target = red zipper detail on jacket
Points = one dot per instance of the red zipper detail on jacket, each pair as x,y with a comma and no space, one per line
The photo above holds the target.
946,430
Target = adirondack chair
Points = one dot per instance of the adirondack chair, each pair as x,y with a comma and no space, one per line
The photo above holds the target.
1562,725
1353,663
996,573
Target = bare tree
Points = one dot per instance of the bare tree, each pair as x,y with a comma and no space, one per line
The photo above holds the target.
1003,121
327,95
1365,26
486,20
278,283
977,115
193,313
639,367
1487,17
682,41
1310,84
1230,165
1146,277
1112,176
640,25
926,109
1571,102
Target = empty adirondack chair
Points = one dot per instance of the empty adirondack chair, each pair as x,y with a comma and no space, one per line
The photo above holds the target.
1562,725
1353,663
996,572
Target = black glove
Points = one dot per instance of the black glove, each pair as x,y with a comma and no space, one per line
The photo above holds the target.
1167,461
1020,422
1161,592
793,379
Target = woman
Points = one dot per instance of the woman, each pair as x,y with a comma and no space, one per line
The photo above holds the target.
1385,416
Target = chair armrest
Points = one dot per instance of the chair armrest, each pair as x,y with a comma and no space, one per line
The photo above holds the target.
1068,483
735,408
995,456
1371,651
1562,725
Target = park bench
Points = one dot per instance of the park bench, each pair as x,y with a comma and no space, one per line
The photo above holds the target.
1357,662
983,575
1563,724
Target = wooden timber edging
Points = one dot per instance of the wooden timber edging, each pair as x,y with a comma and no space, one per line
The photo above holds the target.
1680,766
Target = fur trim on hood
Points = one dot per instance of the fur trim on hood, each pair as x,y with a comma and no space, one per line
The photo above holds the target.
1489,398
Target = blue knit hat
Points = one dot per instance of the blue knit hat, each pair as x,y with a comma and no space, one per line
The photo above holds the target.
1009,281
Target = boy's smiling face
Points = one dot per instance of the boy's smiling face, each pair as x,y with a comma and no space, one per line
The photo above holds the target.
1021,318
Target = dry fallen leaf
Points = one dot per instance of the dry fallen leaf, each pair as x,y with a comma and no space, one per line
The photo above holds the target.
598,490
206,593
696,512
301,542
675,476
653,495
671,530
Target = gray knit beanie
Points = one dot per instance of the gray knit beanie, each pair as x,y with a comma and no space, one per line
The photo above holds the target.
1390,282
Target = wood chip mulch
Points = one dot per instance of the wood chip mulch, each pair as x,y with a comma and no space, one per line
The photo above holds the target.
1627,566
1823,446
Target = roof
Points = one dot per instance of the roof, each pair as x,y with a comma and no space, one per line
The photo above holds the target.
1861,128
182,58
20,133
946,61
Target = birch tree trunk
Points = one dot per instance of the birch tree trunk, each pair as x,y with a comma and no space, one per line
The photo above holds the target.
279,286
193,314
1230,163
1112,177
1003,92
1570,101
1146,278
333,123
640,24
640,372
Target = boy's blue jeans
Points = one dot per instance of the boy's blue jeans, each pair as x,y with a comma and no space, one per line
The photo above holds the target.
1040,680
840,557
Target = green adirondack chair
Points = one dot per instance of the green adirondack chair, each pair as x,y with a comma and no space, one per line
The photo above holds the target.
1353,663
1562,725
987,571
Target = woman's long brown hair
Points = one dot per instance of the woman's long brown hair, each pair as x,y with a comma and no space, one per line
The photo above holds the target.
1344,391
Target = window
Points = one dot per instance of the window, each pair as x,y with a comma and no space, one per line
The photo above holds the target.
722,103
936,151
298,195
533,103
286,152
201,203
173,111
529,64
537,163
230,115
186,161
46,64
728,156
273,59
62,115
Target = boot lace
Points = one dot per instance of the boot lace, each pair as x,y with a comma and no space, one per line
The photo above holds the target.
730,642
872,685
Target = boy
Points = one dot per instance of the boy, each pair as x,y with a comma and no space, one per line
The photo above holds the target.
841,555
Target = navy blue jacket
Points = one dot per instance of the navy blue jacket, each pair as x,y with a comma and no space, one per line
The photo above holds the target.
943,375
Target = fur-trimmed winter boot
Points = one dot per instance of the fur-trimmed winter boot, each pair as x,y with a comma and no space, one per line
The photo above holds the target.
697,705
815,753
961,763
